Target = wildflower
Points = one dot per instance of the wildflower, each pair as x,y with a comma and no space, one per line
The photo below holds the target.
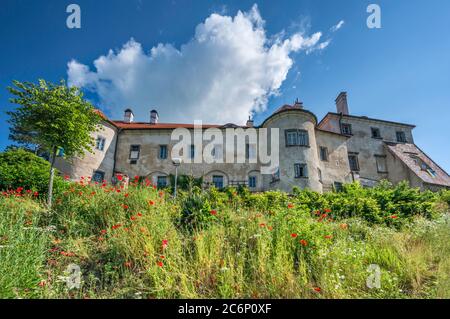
160,263
262,225
19,189
125,206
327,210
161,194
103,231
42,283
303,242
394,216
151,202
136,177
154,186
119,177
213,212
118,190
162,257
269,228
127,264
126,195
294,235
317,289
165,243
133,217
343,226
101,239
66,177
290,205
139,214
35,194
328,236
116,226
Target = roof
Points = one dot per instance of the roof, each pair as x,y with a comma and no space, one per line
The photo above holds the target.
148,126
288,108
365,118
408,154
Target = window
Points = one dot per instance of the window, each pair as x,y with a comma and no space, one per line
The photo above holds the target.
423,166
376,132
100,143
337,186
276,175
163,151
161,181
98,176
346,129
353,161
381,163
300,170
134,152
218,181
323,153
319,172
252,181
297,138
192,151
60,152
401,138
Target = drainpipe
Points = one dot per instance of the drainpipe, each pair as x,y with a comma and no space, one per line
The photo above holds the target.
115,151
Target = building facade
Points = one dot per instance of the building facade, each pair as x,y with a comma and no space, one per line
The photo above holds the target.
319,155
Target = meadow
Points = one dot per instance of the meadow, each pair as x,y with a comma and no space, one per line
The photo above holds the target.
137,241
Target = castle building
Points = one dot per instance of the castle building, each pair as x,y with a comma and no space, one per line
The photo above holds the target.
319,155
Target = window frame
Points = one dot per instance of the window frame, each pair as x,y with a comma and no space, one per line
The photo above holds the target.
297,137
138,152
222,182
161,147
402,134
158,179
326,153
303,167
103,142
349,126
352,154
377,157
376,129
255,181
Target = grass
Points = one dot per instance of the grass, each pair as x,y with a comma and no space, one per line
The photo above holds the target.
134,243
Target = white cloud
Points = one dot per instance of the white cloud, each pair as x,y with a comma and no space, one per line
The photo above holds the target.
226,71
337,26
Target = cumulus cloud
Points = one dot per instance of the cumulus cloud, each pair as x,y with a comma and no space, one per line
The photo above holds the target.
224,73
337,26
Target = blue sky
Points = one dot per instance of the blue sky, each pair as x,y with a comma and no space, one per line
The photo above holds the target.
400,72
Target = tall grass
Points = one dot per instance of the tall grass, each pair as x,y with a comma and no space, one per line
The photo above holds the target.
135,243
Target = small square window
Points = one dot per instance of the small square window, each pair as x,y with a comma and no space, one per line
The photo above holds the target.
337,186
300,170
134,152
381,163
376,132
98,176
323,153
218,181
163,151
346,129
401,137
192,151
161,181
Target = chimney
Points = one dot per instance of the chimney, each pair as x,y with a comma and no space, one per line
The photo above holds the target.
154,117
249,122
128,116
341,103
298,104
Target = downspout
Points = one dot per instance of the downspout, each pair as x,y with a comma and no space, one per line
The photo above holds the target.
115,151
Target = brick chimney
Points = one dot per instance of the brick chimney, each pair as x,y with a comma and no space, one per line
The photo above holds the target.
128,116
341,103
154,117
298,104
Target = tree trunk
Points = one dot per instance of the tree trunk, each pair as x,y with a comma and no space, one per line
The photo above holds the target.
50,183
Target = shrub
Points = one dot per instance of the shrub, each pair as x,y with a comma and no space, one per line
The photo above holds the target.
20,168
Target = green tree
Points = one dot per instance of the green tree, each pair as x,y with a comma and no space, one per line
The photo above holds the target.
56,116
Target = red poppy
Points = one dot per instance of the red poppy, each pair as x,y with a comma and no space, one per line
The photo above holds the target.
119,177
165,243
343,226
139,214
151,202
125,206
101,239
160,263
327,210
303,242
126,195
35,194
116,226
328,236
66,177
213,212
262,225
162,257
394,216
269,227
133,217
127,264
290,205
136,177
161,194
42,283
293,235
317,289
103,231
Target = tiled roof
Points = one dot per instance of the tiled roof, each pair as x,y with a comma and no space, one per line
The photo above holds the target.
409,153
146,125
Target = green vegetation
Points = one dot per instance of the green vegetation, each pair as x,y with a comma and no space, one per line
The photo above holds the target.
136,241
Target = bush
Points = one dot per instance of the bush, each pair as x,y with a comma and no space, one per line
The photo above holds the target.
20,168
